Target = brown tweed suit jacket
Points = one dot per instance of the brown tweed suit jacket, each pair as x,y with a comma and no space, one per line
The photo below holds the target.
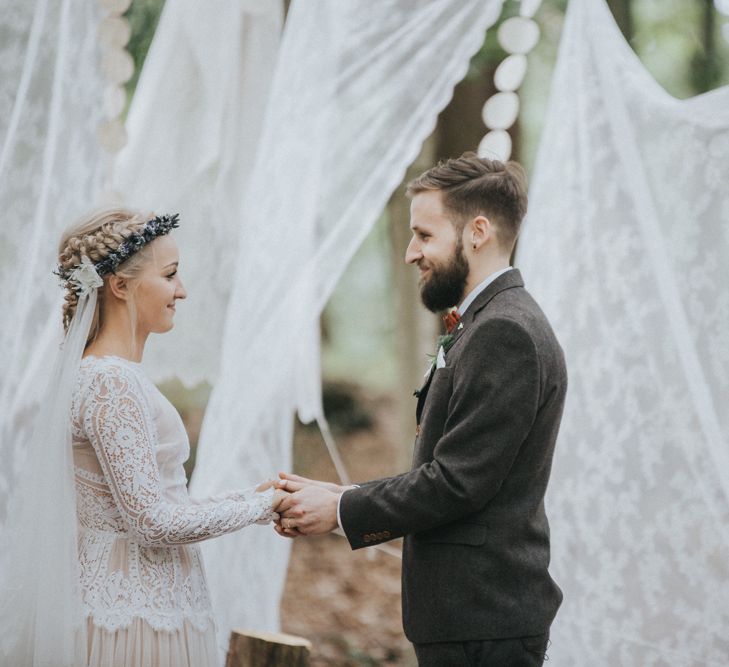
476,548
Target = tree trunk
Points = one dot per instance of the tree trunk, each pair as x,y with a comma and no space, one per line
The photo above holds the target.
622,11
706,68
415,327
263,649
460,125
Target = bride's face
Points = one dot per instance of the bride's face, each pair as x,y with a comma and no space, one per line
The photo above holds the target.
158,287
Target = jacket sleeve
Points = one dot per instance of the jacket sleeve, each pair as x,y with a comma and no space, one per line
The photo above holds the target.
491,410
118,423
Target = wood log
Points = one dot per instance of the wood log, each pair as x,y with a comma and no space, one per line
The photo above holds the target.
267,649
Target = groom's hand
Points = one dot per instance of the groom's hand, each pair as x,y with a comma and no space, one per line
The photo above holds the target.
309,510
292,483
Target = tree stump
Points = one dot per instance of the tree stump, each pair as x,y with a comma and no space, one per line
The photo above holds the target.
267,649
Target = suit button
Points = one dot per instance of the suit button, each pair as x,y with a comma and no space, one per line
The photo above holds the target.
385,534
366,538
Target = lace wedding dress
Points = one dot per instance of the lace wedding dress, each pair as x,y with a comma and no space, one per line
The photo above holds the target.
142,578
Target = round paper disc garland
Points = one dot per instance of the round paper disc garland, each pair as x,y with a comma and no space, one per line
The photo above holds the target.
517,36
722,6
118,68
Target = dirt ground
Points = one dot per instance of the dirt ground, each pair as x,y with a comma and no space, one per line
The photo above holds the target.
347,603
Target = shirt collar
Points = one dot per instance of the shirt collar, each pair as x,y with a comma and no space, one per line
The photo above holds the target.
478,289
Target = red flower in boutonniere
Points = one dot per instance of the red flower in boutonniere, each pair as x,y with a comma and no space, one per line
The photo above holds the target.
453,325
451,320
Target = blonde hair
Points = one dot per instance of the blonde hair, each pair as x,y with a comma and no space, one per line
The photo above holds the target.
95,236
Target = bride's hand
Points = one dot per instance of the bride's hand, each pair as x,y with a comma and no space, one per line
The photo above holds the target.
278,496
293,483
265,486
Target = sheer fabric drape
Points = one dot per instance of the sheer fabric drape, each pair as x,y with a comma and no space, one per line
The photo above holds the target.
357,88
626,248
51,166
50,170
194,125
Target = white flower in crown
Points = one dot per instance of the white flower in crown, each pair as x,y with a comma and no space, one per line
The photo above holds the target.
84,278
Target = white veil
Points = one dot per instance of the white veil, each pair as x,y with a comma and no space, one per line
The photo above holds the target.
41,617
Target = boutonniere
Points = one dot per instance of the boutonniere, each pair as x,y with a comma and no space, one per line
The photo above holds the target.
453,324
444,343
452,320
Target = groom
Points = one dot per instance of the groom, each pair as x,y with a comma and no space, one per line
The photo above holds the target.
475,585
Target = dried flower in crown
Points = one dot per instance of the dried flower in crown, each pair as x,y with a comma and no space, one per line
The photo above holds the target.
88,276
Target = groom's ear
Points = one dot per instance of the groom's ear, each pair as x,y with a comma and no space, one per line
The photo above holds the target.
479,232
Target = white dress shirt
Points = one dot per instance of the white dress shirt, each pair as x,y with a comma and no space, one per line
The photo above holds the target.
480,288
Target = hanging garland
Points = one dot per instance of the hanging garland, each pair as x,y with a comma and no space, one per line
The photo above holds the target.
517,36
118,68
722,6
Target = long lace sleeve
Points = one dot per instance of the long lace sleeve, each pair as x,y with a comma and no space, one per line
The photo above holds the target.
118,423
238,494
241,495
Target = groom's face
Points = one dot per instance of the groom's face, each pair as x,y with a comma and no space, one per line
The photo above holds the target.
437,249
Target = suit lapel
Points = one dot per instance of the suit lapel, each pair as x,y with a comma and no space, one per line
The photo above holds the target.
422,393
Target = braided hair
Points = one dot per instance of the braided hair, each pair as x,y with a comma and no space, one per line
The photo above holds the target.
95,236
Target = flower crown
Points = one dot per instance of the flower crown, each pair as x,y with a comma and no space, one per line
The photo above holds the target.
88,275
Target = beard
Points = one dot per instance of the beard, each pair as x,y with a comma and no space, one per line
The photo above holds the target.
447,283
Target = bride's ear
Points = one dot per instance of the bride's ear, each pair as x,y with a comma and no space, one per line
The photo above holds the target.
119,287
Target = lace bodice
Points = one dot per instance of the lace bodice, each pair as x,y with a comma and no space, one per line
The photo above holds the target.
136,520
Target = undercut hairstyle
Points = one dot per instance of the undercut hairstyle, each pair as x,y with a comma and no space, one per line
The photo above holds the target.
474,186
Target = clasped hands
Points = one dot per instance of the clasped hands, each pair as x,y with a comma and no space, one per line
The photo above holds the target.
304,506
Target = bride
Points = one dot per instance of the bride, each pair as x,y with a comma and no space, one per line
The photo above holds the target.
141,587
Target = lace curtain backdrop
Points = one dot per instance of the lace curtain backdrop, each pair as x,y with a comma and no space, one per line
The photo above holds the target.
632,181
51,166
626,248
342,123
193,126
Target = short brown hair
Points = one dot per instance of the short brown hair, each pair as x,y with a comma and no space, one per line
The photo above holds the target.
475,186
